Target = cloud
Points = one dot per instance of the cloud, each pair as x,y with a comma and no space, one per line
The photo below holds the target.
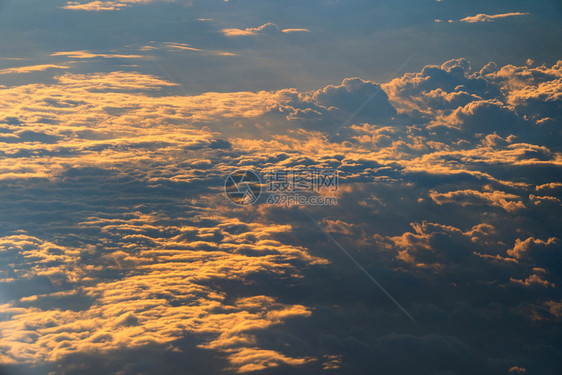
105,5
117,241
249,360
139,307
353,91
549,186
183,47
32,68
508,202
524,248
295,30
268,28
490,18
90,55
533,280
555,308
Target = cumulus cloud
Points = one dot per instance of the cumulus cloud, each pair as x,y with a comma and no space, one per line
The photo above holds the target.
523,248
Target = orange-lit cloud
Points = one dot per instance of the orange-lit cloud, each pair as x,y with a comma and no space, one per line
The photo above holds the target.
105,5
136,310
508,202
491,18
267,28
522,248
32,68
90,55
133,171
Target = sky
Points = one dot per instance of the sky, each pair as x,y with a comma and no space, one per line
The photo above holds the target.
127,125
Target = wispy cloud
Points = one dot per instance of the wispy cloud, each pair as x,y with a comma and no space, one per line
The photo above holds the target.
97,6
183,46
295,30
268,28
31,68
491,17
90,55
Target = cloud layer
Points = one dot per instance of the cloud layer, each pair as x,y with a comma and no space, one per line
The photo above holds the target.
117,239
